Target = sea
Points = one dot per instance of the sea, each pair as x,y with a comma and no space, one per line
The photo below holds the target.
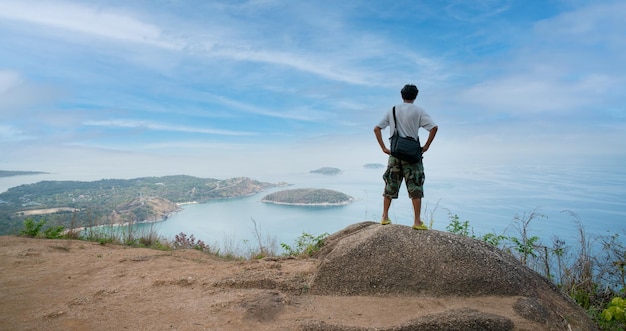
558,202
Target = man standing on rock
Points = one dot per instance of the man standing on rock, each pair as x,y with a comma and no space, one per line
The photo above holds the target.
410,119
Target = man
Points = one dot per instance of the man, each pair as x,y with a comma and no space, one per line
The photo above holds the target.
410,119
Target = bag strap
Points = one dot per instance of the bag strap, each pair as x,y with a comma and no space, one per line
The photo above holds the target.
395,121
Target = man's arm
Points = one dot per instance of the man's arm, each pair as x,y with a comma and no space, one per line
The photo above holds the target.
379,138
431,136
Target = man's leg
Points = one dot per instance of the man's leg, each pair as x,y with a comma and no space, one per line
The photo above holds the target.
393,180
386,205
417,211
414,177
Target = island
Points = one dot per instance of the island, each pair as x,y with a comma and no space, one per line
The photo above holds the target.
327,171
373,166
308,197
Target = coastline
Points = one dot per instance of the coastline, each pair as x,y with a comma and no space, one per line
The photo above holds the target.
323,204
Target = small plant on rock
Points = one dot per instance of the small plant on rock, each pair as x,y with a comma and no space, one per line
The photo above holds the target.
460,228
307,245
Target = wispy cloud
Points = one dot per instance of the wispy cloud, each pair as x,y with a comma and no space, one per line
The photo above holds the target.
11,134
142,124
298,114
274,72
18,95
89,20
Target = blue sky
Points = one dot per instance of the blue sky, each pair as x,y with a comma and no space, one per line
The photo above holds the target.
230,88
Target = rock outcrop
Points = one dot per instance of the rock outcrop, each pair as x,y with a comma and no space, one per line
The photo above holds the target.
369,259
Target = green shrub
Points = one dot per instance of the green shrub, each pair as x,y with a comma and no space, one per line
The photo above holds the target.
493,239
32,228
460,228
54,232
305,245
616,310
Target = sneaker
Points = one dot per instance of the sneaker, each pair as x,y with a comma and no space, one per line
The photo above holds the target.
420,227
385,221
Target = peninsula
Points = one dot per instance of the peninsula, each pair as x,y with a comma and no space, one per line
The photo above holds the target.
115,201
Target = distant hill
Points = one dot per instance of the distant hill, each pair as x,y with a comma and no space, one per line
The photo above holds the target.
9,173
308,197
327,171
110,201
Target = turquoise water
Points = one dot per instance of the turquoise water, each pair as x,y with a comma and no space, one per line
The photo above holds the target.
489,198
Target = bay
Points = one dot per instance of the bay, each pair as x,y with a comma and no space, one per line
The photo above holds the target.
490,198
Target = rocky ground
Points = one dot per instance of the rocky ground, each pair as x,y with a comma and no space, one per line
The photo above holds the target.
78,285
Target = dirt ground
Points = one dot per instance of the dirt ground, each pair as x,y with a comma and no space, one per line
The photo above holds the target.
78,285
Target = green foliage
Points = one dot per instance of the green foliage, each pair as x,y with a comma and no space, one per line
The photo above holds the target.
32,228
158,245
305,245
464,229
590,274
54,232
458,227
307,196
582,296
132,199
493,239
616,310
100,236
525,247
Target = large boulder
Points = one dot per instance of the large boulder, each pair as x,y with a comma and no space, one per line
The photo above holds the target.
368,259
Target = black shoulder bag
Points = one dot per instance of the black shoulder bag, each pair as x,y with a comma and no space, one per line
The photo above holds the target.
405,148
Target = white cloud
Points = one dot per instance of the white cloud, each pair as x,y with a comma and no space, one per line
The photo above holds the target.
589,25
90,20
8,80
530,94
299,115
476,10
327,74
236,39
18,94
567,64
142,124
11,134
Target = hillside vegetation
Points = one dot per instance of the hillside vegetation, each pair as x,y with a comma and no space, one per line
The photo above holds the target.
114,200
308,196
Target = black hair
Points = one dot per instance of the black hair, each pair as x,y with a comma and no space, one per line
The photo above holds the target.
409,92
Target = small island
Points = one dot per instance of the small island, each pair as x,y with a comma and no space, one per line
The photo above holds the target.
308,197
373,166
327,171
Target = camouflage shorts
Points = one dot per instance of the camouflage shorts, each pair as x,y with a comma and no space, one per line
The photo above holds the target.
412,173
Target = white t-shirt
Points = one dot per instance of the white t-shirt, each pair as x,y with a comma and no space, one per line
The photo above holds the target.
410,119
